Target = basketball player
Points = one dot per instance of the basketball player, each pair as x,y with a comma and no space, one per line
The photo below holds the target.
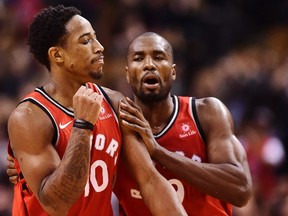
191,140
65,137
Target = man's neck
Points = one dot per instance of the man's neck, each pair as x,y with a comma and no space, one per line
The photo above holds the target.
62,92
157,113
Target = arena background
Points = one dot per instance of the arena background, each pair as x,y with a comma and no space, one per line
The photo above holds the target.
236,51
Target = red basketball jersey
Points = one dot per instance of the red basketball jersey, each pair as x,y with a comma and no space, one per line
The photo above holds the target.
105,150
184,136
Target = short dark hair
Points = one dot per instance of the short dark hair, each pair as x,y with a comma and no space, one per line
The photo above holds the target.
49,29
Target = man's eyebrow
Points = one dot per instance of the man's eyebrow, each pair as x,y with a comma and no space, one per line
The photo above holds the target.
86,34
159,52
137,52
142,52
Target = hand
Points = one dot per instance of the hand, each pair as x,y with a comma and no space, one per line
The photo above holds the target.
11,170
132,117
87,104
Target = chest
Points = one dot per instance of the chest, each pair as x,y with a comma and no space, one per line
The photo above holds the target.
184,138
182,134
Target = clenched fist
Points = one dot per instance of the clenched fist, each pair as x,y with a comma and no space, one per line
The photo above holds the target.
87,104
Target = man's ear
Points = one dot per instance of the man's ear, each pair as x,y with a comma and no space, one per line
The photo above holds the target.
173,71
55,54
127,75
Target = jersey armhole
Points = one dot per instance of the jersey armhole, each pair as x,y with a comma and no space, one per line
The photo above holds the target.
106,97
193,102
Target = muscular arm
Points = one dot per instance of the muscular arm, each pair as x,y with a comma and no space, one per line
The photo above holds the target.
56,183
226,176
157,193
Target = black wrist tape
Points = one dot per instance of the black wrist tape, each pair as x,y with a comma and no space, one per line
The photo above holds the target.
82,124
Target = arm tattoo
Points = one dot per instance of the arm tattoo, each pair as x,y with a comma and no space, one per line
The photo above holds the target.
69,179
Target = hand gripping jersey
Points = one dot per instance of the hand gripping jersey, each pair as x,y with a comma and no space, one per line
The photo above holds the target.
106,144
182,135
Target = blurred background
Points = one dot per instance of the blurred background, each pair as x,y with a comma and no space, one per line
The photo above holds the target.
236,51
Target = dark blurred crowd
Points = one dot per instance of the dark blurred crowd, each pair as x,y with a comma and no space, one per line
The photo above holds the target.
236,51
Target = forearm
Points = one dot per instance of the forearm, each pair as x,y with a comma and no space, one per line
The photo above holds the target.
158,191
225,181
64,186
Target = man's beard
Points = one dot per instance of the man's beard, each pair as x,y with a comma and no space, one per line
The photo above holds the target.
151,97
96,76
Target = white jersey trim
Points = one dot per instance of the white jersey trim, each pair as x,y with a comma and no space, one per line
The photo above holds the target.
172,120
42,106
64,109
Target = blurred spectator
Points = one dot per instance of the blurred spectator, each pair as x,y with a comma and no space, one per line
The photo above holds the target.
234,50
266,156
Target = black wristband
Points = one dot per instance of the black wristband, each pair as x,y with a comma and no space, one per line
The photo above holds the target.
82,124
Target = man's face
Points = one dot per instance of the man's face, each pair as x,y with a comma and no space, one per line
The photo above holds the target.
83,53
150,70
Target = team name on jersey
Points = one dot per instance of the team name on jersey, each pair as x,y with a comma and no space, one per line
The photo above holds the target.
100,181
112,147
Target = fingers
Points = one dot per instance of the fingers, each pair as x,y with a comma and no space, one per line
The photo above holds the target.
81,90
87,104
11,170
133,127
86,91
10,163
9,158
133,104
131,119
97,97
13,179
130,107
93,94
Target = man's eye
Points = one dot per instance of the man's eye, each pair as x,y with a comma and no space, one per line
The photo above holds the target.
137,59
159,58
86,41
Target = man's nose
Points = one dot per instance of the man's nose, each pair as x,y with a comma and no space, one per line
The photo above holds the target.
97,46
149,63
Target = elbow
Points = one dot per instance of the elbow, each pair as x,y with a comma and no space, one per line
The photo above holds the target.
244,194
242,199
54,209
58,205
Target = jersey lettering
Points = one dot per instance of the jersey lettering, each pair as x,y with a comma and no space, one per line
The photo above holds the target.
177,185
113,146
135,193
100,180
99,164
100,144
180,153
196,158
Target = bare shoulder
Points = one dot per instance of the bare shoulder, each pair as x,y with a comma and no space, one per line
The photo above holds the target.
212,112
24,113
114,96
210,104
27,123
